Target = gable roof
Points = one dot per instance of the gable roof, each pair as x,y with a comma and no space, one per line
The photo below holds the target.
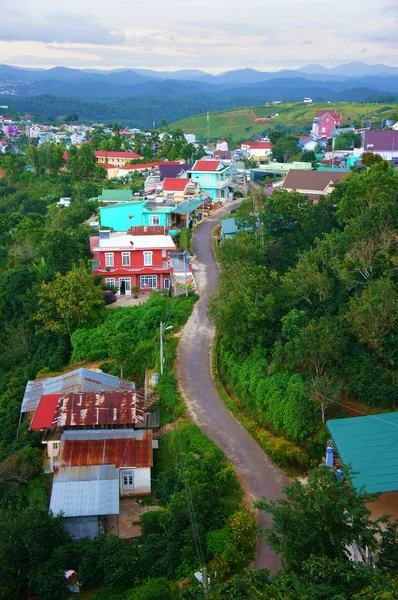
316,181
79,380
369,444
258,145
176,184
89,408
336,116
208,165
172,169
381,141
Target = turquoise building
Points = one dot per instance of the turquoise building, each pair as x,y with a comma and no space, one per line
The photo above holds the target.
214,179
123,215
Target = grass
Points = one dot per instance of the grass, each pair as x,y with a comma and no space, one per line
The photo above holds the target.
239,124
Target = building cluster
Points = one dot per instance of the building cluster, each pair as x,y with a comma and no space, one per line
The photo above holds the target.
99,445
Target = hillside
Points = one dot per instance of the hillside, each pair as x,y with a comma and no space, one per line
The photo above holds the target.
239,123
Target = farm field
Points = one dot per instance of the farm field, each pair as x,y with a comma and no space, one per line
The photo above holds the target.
241,123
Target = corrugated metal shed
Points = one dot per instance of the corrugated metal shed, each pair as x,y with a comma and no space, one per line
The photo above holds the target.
121,452
88,409
370,445
187,206
87,473
85,498
101,434
80,380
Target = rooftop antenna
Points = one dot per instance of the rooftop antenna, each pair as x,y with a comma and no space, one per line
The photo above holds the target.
208,128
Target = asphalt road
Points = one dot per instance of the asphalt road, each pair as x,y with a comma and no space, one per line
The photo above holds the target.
258,475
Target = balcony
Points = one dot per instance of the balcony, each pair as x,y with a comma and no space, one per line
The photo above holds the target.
129,269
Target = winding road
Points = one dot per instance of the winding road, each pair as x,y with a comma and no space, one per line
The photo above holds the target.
258,475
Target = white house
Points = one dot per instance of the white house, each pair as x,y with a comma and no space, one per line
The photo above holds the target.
222,145
382,142
190,137
307,100
256,149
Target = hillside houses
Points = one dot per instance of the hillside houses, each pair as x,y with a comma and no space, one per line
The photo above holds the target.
98,441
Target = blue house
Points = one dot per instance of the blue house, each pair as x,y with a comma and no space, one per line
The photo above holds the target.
214,179
123,215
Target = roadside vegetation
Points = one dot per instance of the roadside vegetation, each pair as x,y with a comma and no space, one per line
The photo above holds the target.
307,309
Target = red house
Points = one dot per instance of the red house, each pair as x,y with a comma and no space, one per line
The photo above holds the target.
133,261
324,122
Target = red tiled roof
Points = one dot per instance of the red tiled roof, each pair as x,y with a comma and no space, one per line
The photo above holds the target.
128,155
207,165
331,113
121,452
2,173
258,145
88,408
175,184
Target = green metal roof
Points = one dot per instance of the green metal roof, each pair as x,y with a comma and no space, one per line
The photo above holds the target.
229,226
190,205
116,195
370,445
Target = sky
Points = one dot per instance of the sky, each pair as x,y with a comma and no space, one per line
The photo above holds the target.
197,34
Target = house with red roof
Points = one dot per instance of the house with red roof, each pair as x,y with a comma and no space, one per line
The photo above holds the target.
213,178
257,150
116,159
180,188
3,145
324,122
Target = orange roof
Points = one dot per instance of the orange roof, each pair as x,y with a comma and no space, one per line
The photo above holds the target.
258,145
175,184
2,173
106,154
207,165
331,113
121,452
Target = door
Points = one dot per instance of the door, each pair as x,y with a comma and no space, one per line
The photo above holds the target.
128,480
125,286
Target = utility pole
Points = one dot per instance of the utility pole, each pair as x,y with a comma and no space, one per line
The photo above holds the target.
161,332
208,128
184,258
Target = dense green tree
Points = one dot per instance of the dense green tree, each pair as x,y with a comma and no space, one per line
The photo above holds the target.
348,141
319,518
70,301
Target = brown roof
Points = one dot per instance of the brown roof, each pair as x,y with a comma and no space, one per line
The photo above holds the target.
316,181
332,113
88,409
148,230
121,452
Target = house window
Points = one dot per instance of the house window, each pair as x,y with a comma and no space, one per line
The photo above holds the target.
109,261
128,480
55,446
110,281
149,281
147,258
323,129
206,178
125,259
154,220
167,284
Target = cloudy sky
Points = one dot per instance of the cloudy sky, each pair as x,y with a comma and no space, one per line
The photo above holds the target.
203,34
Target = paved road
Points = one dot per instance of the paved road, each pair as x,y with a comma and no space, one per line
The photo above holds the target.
259,476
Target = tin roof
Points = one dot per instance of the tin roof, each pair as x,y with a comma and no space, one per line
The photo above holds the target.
80,380
85,498
369,444
120,452
88,409
86,473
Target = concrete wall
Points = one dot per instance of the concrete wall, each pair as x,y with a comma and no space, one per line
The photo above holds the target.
142,482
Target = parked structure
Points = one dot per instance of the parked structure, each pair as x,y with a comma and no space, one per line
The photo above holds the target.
130,262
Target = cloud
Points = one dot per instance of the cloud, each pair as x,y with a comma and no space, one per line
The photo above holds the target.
364,50
307,42
60,27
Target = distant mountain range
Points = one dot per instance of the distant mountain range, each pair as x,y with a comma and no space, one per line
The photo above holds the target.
173,95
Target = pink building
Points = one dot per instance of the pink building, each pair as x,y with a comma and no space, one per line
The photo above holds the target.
324,122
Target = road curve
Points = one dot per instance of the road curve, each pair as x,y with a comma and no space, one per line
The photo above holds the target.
258,475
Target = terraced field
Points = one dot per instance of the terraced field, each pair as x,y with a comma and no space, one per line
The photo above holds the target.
240,123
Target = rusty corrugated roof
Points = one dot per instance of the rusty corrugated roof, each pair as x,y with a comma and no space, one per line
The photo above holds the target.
89,409
79,380
121,452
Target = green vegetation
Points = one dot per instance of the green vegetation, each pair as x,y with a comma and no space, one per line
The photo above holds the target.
238,124
307,307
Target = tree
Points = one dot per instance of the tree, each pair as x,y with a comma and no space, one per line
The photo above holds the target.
348,141
319,518
71,118
70,301
284,148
